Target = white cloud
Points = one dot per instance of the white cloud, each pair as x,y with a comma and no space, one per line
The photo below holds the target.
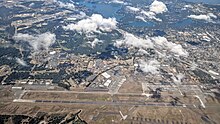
172,47
69,5
95,42
134,9
129,40
21,62
149,66
31,5
200,17
140,18
207,17
119,2
132,41
212,15
150,15
95,23
155,8
81,15
187,7
37,42
66,5
161,46
158,7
